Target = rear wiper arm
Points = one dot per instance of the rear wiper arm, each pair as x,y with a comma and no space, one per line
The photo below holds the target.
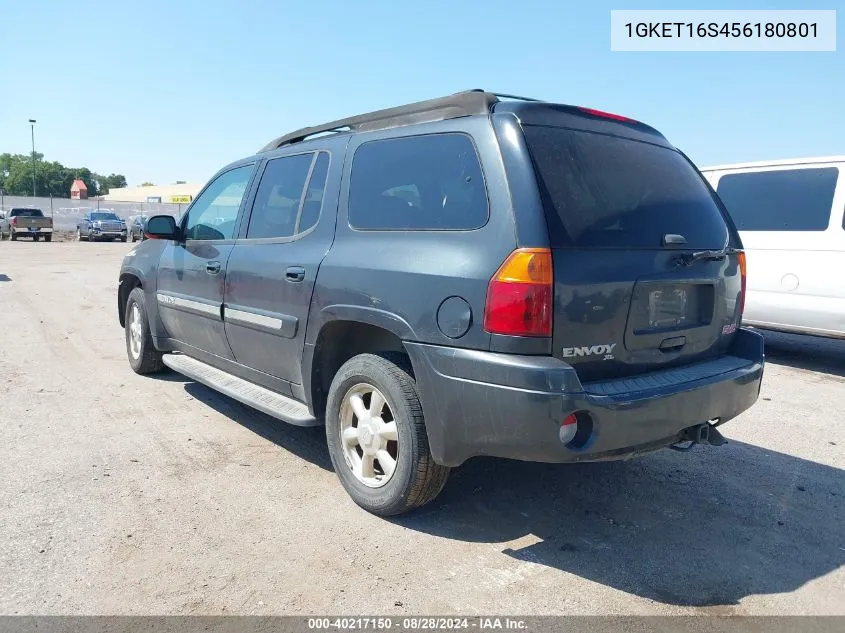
688,259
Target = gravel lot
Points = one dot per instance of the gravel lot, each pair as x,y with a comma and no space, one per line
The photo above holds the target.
137,495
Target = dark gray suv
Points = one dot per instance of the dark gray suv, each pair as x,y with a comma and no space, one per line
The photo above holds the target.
472,275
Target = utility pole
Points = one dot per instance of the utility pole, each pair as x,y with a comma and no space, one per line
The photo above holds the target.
32,128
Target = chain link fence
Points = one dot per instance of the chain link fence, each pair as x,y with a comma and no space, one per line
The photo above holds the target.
66,212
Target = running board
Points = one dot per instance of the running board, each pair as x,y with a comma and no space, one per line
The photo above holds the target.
257,397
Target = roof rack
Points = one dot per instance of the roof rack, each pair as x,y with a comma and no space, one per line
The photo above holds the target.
457,105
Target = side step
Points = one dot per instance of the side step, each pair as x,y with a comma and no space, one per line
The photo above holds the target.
257,397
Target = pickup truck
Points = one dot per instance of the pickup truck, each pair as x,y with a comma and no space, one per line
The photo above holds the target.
26,222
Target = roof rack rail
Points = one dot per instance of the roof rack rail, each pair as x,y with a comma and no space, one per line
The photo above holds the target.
502,95
457,105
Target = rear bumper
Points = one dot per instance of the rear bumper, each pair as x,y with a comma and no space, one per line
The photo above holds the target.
482,403
24,230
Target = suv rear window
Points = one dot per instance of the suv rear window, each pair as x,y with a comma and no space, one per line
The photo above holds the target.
780,200
428,182
603,191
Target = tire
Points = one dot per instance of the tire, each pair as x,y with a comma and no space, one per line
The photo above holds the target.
91,237
123,239
147,360
12,236
416,478
35,238
79,237
48,238
134,239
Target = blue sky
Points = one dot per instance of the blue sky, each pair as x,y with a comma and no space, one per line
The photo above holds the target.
174,90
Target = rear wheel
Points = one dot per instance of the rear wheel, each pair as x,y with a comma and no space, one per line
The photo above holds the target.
12,235
35,238
377,438
144,358
48,238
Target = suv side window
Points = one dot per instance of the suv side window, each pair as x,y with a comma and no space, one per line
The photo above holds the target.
429,182
280,208
213,214
780,200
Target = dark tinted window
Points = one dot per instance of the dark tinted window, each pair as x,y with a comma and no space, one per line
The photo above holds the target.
277,202
417,183
99,217
783,200
26,213
604,191
313,201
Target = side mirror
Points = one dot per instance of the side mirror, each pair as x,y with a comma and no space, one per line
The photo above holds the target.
161,227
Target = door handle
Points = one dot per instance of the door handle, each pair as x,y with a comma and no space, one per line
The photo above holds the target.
212,268
295,273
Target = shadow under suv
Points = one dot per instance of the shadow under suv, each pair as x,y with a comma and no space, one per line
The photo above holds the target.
471,275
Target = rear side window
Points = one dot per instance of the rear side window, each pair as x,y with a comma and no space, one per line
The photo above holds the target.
604,191
431,182
783,200
276,207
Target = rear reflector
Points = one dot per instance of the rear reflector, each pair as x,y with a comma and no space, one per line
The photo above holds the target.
742,271
519,296
607,115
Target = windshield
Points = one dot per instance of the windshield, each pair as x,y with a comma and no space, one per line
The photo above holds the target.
602,191
26,213
104,216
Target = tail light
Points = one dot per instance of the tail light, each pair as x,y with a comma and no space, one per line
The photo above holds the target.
742,272
14,221
519,296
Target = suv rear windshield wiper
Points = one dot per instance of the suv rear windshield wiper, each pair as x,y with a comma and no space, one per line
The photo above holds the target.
688,259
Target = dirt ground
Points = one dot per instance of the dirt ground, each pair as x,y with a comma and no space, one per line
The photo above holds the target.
124,494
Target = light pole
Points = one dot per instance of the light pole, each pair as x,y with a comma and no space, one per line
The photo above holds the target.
32,128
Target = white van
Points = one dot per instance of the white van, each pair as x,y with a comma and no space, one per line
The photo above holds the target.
790,216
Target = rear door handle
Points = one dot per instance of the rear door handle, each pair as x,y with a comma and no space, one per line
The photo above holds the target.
295,273
212,268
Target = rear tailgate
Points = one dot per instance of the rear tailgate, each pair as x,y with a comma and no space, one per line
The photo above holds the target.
625,303
32,222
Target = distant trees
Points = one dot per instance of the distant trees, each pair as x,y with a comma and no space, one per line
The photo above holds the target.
51,178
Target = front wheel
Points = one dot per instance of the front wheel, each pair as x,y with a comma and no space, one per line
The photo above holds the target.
48,237
35,238
144,358
376,435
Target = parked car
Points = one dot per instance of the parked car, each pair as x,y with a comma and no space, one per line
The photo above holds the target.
135,227
790,216
26,222
471,275
101,225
